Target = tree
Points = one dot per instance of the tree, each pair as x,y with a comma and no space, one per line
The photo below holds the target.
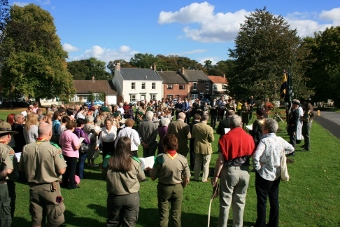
88,68
111,65
33,59
325,72
143,60
265,46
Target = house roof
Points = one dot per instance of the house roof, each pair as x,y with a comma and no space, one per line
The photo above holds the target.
139,74
218,79
195,75
171,77
94,86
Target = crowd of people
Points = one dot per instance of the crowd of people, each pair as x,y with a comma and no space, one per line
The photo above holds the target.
56,142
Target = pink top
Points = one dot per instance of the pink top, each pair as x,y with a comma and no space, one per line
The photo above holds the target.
68,140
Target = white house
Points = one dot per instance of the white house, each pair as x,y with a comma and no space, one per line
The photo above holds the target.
219,86
136,84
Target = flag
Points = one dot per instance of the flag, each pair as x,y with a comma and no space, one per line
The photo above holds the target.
284,85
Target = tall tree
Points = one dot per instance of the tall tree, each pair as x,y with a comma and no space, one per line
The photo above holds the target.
265,46
33,59
143,60
88,68
325,72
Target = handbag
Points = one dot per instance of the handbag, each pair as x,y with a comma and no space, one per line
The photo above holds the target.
84,148
284,168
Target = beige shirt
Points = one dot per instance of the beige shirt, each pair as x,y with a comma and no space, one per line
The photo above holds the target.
170,170
123,183
41,162
9,161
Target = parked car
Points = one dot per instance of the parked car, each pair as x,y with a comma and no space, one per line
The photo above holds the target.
96,102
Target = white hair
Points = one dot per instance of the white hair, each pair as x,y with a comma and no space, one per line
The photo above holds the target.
181,115
149,115
165,121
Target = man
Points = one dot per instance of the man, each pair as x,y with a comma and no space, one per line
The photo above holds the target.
203,135
213,113
43,163
221,107
178,107
18,127
8,174
225,123
197,119
234,149
293,120
251,104
148,131
186,110
182,131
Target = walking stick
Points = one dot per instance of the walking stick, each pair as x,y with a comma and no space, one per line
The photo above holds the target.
214,195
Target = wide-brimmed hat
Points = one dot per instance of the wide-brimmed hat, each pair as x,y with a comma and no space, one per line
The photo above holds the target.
296,101
6,128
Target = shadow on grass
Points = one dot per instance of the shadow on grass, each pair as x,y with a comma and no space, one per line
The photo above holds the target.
100,210
93,174
18,221
72,219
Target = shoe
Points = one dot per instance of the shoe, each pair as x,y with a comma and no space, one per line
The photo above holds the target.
208,180
304,149
77,186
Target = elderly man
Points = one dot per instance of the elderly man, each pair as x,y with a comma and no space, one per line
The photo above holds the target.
128,131
8,174
148,131
234,149
43,163
203,135
182,131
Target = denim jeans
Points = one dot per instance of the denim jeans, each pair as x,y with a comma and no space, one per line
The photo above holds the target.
81,164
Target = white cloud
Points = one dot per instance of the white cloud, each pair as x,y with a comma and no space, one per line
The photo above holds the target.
21,4
106,54
69,48
202,24
331,15
197,51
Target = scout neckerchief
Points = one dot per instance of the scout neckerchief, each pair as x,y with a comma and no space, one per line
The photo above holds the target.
40,139
3,142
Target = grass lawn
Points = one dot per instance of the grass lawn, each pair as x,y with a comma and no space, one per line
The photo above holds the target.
310,198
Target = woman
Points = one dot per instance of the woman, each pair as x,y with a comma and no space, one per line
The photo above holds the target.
162,131
92,131
31,128
128,131
122,184
307,119
64,121
267,160
173,175
256,132
82,152
107,137
70,145
56,126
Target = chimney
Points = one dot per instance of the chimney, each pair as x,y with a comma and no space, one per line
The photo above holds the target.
154,67
182,70
93,78
117,67
223,75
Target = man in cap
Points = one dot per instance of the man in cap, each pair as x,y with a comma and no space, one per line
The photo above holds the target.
293,120
43,163
8,174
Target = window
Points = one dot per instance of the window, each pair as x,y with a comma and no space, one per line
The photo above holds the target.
225,86
181,87
215,87
194,96
207,86
153,96
133,85
169,96
153,86
169,86
143,85
132,98
194,86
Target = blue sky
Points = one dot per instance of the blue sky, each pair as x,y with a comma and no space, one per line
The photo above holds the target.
200,30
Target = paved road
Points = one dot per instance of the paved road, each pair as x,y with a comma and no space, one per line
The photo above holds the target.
330,121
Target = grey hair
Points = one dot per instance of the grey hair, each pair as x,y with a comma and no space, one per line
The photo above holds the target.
271,125
181,115
235,121
165,121
89,119
149,115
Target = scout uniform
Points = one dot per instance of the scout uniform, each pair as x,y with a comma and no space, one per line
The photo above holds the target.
170,170
41,161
